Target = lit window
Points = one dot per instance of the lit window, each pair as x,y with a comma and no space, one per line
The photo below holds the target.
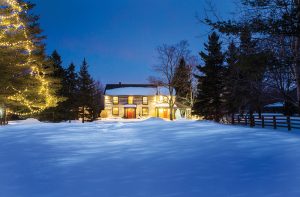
115,111
115,100
145,111
166,100
130,100
145,100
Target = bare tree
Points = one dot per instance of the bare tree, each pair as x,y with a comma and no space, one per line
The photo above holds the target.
168,57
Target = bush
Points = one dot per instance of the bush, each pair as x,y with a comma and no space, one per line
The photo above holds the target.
103,114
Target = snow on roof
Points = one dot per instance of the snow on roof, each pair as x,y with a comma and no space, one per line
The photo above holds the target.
278,104
140,91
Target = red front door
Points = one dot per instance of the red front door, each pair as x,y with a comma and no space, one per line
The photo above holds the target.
130,113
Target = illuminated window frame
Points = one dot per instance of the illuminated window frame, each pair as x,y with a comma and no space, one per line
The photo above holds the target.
145,100
145,114
130,100
115,111
115,100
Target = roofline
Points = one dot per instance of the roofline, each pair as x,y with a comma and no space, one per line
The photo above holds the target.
120,85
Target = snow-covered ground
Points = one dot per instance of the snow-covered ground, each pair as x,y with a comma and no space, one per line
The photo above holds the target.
152,158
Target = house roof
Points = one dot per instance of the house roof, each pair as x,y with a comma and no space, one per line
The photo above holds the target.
135,89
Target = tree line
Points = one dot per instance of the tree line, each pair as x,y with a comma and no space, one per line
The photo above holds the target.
259,64
82,95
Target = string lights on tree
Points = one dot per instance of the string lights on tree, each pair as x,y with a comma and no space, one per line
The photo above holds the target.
13,22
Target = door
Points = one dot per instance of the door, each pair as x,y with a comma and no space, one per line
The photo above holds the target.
130,113
163,112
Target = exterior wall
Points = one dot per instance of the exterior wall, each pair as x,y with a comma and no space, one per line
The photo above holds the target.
123,101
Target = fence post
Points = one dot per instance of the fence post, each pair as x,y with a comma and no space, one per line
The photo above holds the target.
239,120
232,119
288,120
246,120
274,122
262,121
252,121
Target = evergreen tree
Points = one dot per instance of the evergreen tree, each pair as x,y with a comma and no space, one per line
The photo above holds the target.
86,93
25,85
252,64
71,104
58,76
232,94
97,102
210,86
183,83
270,20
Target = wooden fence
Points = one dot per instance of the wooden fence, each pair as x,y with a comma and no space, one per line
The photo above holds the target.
270,121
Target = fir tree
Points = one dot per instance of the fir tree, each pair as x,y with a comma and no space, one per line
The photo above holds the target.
231,82
25,83
210,83
183,83
58,76
85,96
252,64
71,104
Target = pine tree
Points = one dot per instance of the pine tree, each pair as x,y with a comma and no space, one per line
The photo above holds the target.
232,96
183,83
71,104
252,64
25,84
97,102
210,83
270,20
85,96
58,76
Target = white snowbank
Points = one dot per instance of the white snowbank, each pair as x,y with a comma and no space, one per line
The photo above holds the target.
147,158
26,122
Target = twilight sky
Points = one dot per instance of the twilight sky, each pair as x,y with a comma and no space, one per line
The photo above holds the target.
118,37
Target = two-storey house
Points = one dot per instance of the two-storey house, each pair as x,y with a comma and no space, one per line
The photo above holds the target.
138,101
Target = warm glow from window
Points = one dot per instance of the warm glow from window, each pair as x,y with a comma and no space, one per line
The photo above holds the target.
130,100
115,100
115,111
145,111
161,98
145,100
166,100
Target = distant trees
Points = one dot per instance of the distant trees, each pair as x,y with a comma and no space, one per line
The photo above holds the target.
169,57
276,24
231,81
81,93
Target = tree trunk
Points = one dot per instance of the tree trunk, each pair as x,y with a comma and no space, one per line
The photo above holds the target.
171,113
83,114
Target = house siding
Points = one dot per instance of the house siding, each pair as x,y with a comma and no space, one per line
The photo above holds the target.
123,101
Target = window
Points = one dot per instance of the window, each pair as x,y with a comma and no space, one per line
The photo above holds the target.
130,100
166,100
145,100
115,100
115,111
145,111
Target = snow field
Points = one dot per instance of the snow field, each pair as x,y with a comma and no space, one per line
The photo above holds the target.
147,158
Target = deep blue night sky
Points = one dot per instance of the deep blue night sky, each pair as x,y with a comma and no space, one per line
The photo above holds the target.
119,37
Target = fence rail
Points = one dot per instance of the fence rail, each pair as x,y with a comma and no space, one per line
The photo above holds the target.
274,121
